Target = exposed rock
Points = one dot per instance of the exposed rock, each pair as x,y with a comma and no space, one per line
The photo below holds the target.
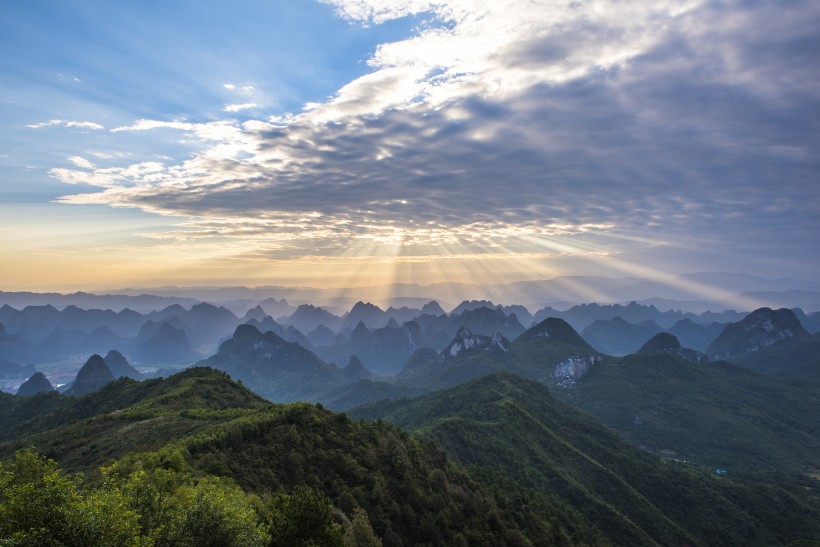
572,369
465,340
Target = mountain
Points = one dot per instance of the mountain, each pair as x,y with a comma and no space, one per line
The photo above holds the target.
669,343
619,337
15,348
119,366
142,302
369,314
38,383
93,375
412,492
465,342
548,352
794,298
467,356
307,317
810,322
13,370
486,321
162,343
279,370
797,357
552,352
504,423
693,335
255,313
384,350
432,308
715,414
760,329
122,416
321,336
208,324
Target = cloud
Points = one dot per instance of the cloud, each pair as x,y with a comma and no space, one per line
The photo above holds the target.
239,107
81,162
494,123
66,123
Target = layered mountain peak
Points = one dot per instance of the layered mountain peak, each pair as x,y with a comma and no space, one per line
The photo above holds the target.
432,308
465,340
255,313
119,366
246,331
555,329
760,329
355,369
669,343
92,376
660,342
38,383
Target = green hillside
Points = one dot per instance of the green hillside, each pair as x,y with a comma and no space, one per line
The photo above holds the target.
515,426
410,490
715,414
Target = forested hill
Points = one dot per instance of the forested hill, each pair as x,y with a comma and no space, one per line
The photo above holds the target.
513,425
410,490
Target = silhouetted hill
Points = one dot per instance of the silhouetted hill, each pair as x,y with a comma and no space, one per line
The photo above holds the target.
695,335
617,336
38,383
369,314
307,317
93,375
119,366
162,343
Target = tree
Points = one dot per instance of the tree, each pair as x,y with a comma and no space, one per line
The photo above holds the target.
303,518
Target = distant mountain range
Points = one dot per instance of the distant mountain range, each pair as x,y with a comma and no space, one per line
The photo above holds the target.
696,293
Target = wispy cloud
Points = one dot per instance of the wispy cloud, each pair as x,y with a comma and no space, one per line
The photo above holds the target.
66,123
81,162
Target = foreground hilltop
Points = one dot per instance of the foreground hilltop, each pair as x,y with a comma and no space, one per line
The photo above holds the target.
544,472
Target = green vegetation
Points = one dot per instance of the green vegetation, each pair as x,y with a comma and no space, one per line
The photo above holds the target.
408,489
198,459
514,426
715,414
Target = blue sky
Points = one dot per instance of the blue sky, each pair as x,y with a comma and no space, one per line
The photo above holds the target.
354,142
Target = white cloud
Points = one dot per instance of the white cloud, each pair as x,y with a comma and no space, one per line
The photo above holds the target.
66,123
81,162
239,107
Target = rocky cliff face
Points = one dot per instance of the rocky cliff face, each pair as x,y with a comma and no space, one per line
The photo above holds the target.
572,369
466,340
758,330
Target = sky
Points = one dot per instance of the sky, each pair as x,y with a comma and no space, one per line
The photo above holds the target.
344,143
